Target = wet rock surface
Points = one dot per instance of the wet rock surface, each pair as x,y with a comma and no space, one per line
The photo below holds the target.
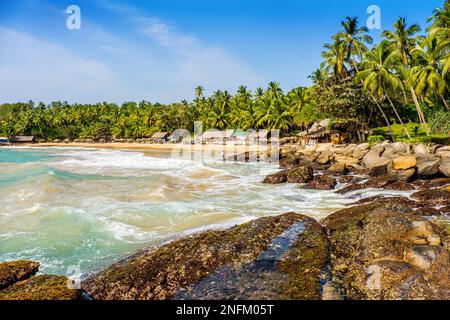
42,287
279,257
322,182
14,271
18,282
384,250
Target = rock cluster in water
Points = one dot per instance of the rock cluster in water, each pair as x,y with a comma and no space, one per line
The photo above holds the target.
400,162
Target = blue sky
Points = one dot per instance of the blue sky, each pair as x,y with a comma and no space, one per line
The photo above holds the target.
159,50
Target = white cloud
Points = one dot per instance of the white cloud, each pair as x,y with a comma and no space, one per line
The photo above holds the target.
194,61
39,70
157,63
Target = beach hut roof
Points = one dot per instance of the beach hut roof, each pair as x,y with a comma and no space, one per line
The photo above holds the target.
22,139
216,134
178,133
160,135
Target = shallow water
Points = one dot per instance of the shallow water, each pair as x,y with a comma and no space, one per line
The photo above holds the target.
89,207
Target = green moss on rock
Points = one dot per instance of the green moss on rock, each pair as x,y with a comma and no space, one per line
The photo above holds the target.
407,254
42,287
11,272
162,273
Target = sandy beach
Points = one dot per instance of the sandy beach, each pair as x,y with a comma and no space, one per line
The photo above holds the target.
230,149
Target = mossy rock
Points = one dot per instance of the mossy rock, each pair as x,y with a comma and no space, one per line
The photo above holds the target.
386,239
301,174
14,271
212,264
42,287
439,196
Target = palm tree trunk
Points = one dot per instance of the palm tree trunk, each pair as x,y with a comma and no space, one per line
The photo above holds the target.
398,116
445,103
419,111
384,116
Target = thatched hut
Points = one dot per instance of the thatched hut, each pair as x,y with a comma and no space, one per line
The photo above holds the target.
214,136
159,137
319,132
22,139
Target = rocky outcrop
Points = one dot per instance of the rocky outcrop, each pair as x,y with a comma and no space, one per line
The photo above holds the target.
276,178
14,271
279,257
444,167
301,174
404,162
18,282
383,250
42,287
322,182
427,165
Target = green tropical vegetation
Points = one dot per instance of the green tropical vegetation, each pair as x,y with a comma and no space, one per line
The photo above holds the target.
397,88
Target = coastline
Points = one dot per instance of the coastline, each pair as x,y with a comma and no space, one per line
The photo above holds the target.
155,147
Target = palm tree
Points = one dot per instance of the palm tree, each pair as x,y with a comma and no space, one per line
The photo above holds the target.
199,90
427,76
353,39
377,76
334,59
440,21
319,76
404,39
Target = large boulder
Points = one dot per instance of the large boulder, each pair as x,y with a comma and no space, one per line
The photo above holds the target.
301,174
403,175
443,152
279,257
289,161
421,150
383,250
404,162
14,271
276,178
427,165
349,161
393,149
379,167
373,155
324,157
322,182
360,151
444,167
338,168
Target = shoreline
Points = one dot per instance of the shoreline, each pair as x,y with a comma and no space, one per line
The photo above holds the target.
152,147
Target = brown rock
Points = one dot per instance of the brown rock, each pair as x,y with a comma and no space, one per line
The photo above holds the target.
14,271
337,168
404,162
427,165
301,174
269,258
322,182
276,178
376,255
42,287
